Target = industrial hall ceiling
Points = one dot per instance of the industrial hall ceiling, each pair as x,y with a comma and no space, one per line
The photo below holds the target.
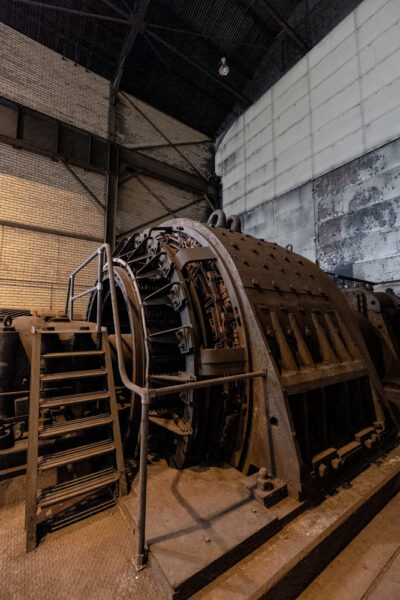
168,52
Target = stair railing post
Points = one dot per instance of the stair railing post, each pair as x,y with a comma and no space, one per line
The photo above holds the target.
71,291
32,455
99,294
141,554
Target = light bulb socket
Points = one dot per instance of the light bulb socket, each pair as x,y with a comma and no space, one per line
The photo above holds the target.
223,68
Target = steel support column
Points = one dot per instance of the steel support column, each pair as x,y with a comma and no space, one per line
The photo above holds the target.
112,196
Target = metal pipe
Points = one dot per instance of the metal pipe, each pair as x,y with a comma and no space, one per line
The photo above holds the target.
87,261
141,558
68,294
117,328
85,293
71,291
195,385
99,296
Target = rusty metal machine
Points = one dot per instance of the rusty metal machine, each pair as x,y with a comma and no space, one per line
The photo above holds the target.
232,357
199,301
378,315
203,301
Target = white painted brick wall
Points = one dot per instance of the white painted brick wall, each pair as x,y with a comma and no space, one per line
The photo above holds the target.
339,102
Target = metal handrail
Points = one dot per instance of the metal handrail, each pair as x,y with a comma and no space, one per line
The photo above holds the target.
145,393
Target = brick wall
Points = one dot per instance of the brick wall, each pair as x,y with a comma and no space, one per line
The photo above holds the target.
144,199
48,222
37,193
42,79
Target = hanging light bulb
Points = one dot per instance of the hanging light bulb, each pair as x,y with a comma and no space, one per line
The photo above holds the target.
223,69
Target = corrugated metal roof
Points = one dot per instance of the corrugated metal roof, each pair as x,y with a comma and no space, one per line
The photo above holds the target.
244,31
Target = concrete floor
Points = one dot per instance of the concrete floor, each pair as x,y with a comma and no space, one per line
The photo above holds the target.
369,567
92,560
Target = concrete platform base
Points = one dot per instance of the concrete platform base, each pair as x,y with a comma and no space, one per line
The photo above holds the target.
200,521
205,532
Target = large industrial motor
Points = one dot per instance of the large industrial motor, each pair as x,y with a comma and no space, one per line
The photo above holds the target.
200,301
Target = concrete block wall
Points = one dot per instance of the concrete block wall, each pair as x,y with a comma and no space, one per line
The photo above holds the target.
358,216
339,102
48,222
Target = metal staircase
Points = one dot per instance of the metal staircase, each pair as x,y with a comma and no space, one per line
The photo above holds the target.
82,422
42,399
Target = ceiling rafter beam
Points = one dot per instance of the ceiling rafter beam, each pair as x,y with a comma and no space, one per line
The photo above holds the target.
284,25
206,93
115,8
128,176
137,24
212,46
73,11
167,173
242,99
204,35
173,145
162,134
67,36
156,197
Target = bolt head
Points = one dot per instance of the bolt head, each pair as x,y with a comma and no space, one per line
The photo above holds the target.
322,470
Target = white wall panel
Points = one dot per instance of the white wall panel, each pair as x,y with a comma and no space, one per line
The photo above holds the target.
339,101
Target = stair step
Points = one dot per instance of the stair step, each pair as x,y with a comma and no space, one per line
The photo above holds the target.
76,487
74,425
73,399
81,330
73,354
77,513
72,375
65,457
